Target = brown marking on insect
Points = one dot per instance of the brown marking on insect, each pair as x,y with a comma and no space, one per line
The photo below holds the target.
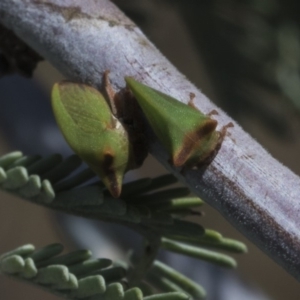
131,118
109,92
191,141
110,173
209,158
125,108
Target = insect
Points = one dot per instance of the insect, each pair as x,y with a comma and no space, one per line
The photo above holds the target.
189,135
92,131
108,138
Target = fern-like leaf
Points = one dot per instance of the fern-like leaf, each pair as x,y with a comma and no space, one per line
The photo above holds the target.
157,215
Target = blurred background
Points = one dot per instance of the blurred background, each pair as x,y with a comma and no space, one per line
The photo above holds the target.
245,56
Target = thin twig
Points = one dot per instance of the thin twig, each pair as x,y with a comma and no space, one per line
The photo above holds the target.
151,247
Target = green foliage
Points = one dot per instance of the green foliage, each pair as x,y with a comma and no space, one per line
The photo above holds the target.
157,215
74,275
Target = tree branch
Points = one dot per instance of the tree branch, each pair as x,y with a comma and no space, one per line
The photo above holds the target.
251,189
